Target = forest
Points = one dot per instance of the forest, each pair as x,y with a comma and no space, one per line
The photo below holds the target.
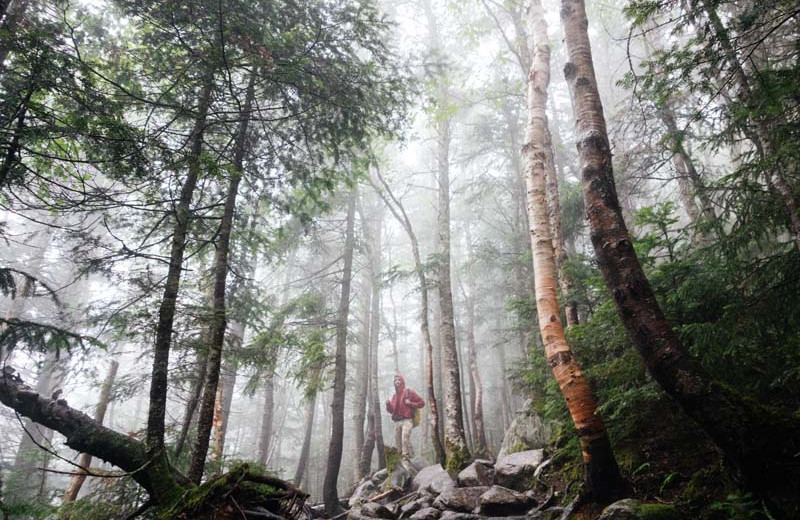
423,260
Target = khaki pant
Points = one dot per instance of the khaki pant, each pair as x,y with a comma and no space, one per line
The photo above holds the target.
402,438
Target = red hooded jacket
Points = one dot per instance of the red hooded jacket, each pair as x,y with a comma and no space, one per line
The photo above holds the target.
397,404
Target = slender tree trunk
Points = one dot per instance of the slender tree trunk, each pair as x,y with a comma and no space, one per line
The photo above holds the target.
362,367
477,400
456,450
330,494
224,399
400,214
758,441
266,418
602,477
311,407
374,333
85,459
219,320
166,311
191,403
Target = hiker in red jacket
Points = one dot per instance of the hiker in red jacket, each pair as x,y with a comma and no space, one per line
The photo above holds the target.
402,406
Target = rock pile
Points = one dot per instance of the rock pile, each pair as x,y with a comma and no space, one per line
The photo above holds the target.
483,490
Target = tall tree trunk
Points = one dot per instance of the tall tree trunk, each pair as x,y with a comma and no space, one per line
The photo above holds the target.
400,214
268,406
85,459
311,407
166,311
477,397
601,473
191,403
219,319
374,332
330,494
362,369
456,450
758,441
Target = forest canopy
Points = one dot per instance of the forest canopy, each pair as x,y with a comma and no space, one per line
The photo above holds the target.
279,259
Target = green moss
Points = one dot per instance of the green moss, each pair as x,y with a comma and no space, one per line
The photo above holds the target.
457,459
393,458
214,492
659,512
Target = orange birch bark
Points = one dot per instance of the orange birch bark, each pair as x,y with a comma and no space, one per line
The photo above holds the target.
602,478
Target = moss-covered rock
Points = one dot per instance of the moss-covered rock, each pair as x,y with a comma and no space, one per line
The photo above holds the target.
630,509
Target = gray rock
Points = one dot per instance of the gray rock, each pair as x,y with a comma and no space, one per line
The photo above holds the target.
433,479
500,501
375,510
527,432
479,473
410,508
464,499
426,513
380,476
362,493
455,515
514,471
622,510
630,509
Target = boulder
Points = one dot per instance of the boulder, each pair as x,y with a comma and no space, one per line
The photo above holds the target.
362,493
500,501
515,471
426,513
434,479
463,499
412,507
380,476
527,432
375,510
630,509
479,473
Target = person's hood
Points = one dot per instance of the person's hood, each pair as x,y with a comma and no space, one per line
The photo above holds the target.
402,383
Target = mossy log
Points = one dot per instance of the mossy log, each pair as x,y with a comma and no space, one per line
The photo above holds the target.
241,493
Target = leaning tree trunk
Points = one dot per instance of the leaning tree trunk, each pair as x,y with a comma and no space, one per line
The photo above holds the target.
240,490
399,212
602,479
166,311
330,494
85,435
85,459
219,320
28,477
760,443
